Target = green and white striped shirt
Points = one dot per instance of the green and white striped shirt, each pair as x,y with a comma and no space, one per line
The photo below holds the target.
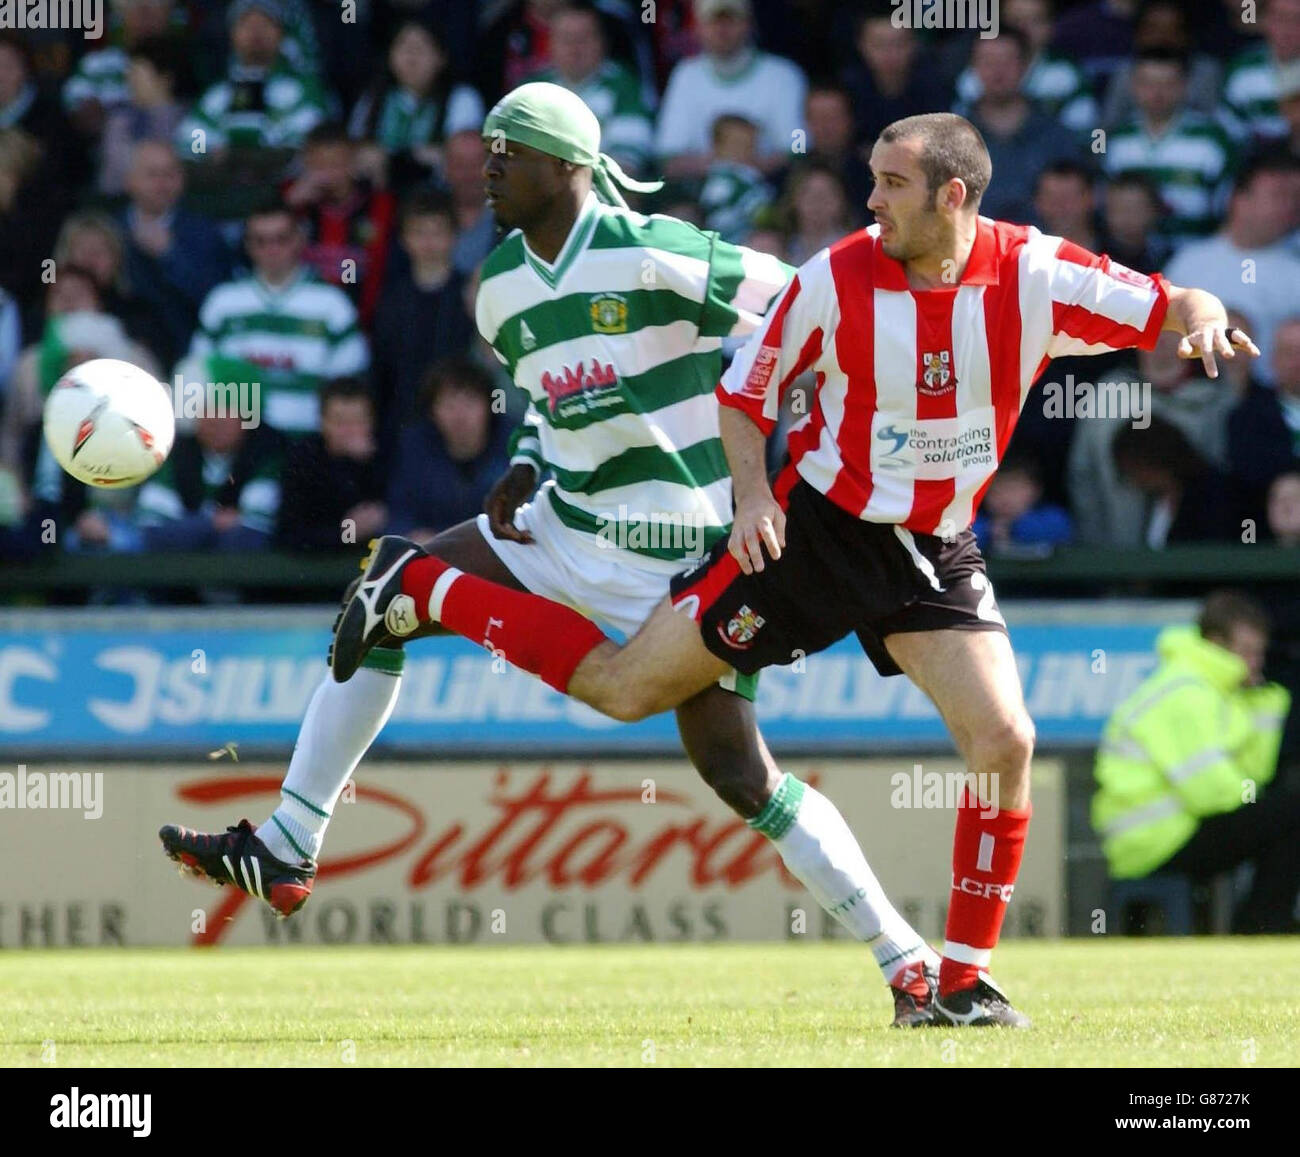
1191,163
101,76
1250,91
297,337
618,346
250,109
259,500
732,197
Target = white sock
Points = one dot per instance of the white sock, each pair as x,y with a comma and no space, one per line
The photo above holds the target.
341,723
821,852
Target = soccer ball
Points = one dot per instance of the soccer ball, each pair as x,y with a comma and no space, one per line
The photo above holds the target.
109,424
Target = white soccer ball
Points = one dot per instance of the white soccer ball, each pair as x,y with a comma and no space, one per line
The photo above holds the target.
109,424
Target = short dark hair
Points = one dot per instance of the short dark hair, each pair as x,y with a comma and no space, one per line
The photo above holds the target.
1265,162
951,148
1022,461
1146,6
328,133
874,10
833,87
1065,168
1157,55
454,374
1225,609
426,203
1009,33
350,389
1140,181
730,120
1160,443
272,205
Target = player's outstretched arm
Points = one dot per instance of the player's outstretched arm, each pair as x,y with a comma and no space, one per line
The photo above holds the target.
1202,320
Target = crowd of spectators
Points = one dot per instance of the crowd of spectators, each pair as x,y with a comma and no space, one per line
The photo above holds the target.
288,193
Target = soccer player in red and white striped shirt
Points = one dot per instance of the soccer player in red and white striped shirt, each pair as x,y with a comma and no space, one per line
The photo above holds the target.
925,334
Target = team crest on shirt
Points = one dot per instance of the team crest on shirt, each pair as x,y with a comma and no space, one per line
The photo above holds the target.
936,376
609,313
741,628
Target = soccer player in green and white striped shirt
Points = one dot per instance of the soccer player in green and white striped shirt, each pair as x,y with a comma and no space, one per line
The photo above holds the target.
1189,157
612,322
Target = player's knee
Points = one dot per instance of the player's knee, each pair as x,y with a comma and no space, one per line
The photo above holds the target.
1005,743
625,701
737,775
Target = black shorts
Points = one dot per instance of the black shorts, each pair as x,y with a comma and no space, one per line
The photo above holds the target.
837,574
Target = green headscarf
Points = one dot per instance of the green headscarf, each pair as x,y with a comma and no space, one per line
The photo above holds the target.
553,120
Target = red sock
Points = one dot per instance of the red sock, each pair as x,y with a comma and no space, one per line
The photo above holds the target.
986,850
541,637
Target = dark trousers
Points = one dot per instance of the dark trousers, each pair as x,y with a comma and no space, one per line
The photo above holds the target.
1265,833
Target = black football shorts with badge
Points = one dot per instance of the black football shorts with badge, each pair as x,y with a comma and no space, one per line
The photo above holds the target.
837,573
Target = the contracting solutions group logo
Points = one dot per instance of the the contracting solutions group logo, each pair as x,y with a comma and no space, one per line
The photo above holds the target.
85,15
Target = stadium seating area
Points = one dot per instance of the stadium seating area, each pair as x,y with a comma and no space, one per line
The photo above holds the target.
158,186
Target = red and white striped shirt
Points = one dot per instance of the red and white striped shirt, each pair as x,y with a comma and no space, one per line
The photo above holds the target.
918,391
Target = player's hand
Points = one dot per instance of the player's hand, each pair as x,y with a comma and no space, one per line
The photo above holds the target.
759,523
513,487
1211,338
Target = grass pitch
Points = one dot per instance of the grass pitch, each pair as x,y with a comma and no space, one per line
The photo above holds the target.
1169,1003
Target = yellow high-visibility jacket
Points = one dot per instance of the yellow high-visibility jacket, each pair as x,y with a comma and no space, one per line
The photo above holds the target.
1190,742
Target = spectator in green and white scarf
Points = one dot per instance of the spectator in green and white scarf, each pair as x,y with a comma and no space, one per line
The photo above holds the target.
264,101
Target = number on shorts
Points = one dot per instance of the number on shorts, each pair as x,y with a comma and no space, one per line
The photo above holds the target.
987,608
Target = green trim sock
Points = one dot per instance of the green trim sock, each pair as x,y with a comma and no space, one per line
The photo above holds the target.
297,827
778,814
341,723
389,660
821,852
